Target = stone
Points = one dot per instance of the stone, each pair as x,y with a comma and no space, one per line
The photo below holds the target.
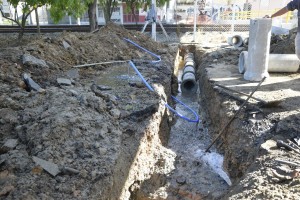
64,81
103,87
115,113
269,145
50,167
6,189
74,93
31,85
66,45
10,144
28,59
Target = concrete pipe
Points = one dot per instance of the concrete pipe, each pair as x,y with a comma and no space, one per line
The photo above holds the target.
236,41
258,49
189,57
188,84
276,63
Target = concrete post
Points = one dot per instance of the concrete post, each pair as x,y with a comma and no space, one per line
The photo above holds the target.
258,49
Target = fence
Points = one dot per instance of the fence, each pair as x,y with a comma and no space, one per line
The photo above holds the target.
229,14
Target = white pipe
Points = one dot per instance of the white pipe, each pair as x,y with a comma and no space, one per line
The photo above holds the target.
258,49
154,22
276,63
236,41
195,20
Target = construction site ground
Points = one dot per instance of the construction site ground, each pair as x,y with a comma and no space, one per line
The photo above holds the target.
97,132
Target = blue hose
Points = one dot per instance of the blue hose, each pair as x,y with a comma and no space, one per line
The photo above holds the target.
151,53
140,75
180,115
151,89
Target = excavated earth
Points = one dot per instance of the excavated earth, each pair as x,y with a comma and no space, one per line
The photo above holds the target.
97,132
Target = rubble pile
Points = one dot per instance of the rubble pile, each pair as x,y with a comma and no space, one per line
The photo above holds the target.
62,131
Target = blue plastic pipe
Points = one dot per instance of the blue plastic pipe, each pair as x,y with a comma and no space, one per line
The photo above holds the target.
196,120
141,76
149,52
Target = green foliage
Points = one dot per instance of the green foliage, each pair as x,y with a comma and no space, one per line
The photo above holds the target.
60,8
143,4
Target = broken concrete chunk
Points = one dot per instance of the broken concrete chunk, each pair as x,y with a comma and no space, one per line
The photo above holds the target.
31,85
50,167
10,144
64,81
28,59
103,87
66,45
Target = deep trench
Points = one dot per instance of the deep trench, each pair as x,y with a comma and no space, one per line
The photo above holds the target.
195,174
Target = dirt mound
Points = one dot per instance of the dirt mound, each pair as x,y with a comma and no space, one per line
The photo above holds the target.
68,142
283,44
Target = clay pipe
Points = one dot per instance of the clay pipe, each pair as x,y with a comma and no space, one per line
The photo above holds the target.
237,112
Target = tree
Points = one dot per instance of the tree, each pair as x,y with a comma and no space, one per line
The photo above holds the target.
92,15
108,8
27,7
76,8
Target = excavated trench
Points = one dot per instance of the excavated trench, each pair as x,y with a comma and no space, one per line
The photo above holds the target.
170,160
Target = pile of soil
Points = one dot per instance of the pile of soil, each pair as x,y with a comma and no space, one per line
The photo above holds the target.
260,167
77,138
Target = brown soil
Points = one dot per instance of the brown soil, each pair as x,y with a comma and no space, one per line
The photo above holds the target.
250,142
99,139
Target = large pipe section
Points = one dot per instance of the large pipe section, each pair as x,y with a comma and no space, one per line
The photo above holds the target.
188,83
276,63
236,41
258,49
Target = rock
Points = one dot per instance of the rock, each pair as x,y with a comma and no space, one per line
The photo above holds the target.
10,144
31,85
74,93
115,113
66,45
28,59
103,87
68,170
64,81
6,189
181,180
50,167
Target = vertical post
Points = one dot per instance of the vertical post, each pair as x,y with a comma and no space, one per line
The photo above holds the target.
121,14
233,17
70,20
154,20
195,20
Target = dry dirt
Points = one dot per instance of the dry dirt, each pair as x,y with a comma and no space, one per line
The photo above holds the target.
106,136
250,143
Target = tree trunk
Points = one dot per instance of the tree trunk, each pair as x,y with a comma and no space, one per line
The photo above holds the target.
23,24
37,22
92,16
107,14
